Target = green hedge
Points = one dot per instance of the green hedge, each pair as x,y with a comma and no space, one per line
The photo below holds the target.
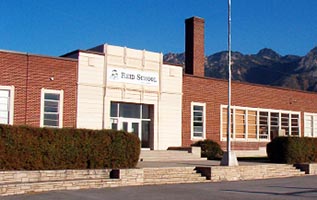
28,148
292,150
209,149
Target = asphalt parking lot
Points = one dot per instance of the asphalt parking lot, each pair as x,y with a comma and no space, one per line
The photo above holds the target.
304,187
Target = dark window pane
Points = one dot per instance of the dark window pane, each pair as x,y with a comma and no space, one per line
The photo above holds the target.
114,109
198,113
198,118
145,138
135,128
129,110
145,111
198,108
198,134
50,96
51,103
295,116
51,117
125,126
50,109
50,123
114,126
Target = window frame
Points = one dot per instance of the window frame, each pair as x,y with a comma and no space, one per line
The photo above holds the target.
193,137
313,116
11,90
60,106
258,111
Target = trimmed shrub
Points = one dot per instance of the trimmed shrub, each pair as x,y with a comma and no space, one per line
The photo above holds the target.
28,148
292,150
209,149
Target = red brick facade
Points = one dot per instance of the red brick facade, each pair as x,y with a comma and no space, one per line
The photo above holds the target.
213,92
29,74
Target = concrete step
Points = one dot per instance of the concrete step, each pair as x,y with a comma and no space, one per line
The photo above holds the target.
168,155
261,152
218,173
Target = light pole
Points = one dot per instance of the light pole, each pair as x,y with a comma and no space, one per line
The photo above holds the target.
229,158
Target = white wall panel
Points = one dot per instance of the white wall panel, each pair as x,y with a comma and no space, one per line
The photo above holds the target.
90,72
90,105
170,120
90,91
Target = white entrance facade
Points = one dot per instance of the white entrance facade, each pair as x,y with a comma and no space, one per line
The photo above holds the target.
147,94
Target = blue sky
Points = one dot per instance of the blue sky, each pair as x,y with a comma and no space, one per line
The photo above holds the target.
55,27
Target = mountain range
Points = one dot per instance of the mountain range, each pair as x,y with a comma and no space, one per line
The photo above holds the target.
267,67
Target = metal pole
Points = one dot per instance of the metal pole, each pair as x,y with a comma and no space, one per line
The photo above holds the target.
229,83
229,159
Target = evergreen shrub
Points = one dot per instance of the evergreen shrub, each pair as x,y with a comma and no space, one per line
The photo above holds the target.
29,148
292,150
209,149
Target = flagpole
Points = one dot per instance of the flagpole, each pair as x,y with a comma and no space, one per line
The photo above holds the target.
229,158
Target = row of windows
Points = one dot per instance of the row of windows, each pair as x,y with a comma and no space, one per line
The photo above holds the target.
253,124
259,124
51,107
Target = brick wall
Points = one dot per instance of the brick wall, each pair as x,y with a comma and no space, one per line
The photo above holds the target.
13,72
29,74
214,92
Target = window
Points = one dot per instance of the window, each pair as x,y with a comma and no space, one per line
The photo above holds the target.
52,108
295,124
263,125
251,124
240,124
254,124
198,120
122,110
310,124
224,122
6,104
285,123
130,110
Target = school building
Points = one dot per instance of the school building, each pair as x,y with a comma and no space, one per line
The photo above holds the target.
112,87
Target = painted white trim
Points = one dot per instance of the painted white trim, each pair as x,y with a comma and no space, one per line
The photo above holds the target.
314,119
192,120
258,110
11,102
61,105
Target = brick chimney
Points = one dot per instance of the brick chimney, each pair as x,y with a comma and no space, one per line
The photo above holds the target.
194,46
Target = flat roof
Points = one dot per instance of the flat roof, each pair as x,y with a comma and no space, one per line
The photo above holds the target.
30,54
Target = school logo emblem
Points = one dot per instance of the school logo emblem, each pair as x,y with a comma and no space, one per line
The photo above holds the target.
114,75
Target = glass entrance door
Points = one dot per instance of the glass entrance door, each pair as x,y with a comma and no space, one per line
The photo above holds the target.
137,127
133,118
130,125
